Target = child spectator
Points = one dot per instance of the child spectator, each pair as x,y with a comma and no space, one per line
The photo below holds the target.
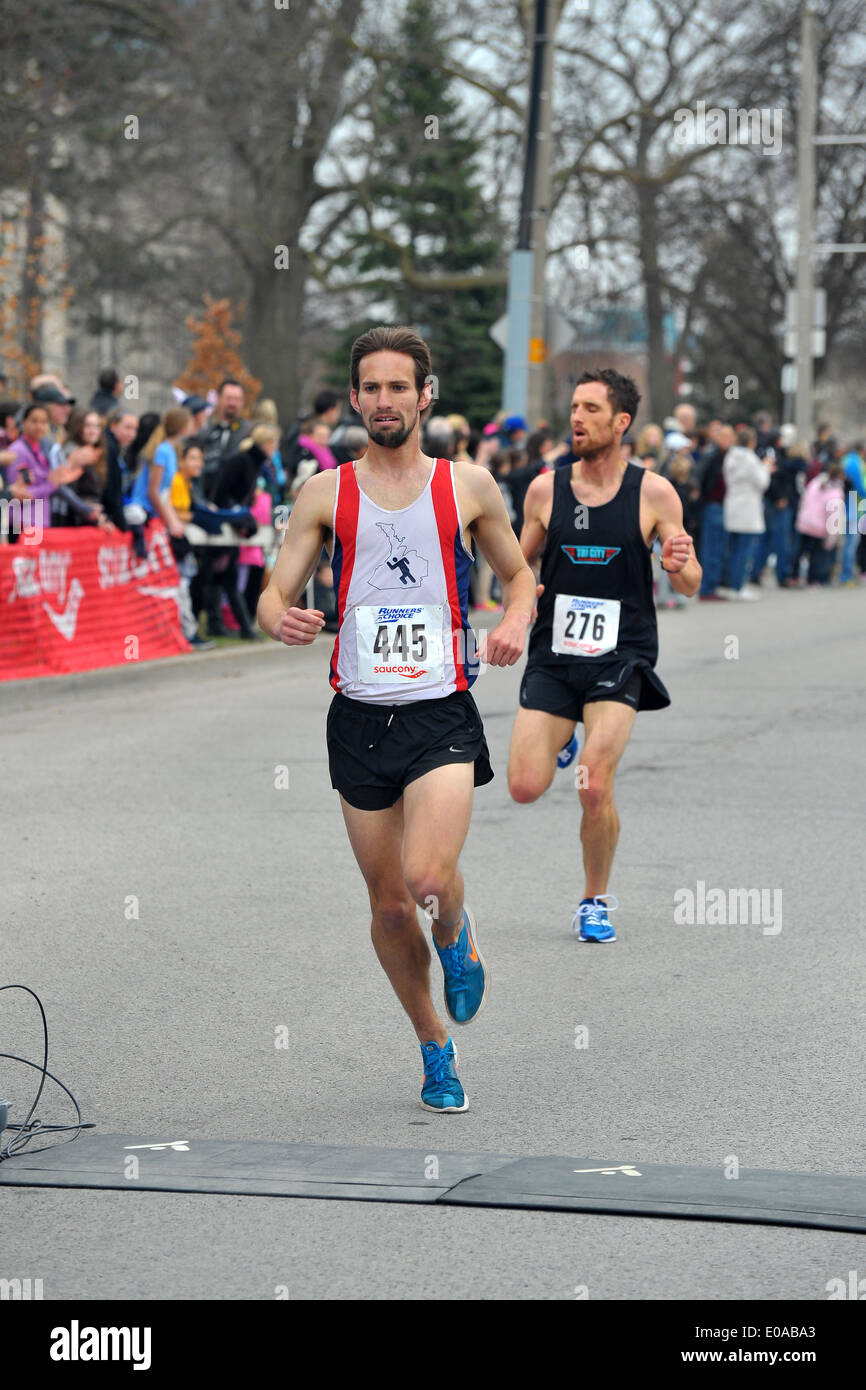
251,558
823,497
151,487
189,467
681,474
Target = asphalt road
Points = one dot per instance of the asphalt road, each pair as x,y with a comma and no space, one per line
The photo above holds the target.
174,908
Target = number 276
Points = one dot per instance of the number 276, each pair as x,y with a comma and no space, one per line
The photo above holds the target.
597,625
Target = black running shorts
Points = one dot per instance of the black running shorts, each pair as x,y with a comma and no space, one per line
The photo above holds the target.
566,688
375,751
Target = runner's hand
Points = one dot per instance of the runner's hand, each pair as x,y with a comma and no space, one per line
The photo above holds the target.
298,627
538,592
504,645
676,551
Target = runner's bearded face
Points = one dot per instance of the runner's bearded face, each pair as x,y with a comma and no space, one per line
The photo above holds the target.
389,422
592,421
390,435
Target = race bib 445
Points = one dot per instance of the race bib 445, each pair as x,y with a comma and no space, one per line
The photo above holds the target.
402,644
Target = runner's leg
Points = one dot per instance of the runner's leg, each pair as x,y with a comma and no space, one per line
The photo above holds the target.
608,725
376,838
436,812
535,742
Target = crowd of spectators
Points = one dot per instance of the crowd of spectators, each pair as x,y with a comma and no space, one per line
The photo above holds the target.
762,506
107,467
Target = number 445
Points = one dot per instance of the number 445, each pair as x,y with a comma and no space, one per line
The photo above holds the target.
386,646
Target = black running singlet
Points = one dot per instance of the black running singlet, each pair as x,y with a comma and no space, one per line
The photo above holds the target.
597,577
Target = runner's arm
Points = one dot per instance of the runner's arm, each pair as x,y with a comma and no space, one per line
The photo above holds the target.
534,532
498,545
297,560
678,555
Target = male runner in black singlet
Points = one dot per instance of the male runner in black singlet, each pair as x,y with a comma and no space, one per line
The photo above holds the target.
594,645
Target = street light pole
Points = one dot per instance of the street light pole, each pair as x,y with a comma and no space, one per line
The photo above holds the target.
805,221
536,392
525,352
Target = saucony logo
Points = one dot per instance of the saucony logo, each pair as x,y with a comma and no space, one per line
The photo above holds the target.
410,672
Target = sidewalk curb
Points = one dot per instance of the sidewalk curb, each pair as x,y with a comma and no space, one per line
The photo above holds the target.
224,662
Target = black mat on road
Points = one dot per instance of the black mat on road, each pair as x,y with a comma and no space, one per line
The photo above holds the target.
757,1195
247,1167
254,1168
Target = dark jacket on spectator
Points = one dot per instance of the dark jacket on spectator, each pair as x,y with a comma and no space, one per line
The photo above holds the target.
218,442
691,506
783,483
103,402
712,476
235,483
112,495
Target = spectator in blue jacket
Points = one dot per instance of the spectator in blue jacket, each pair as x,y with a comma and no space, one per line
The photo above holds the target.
854,482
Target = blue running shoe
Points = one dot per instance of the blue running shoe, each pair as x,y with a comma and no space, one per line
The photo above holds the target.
467,979
442,1091
566,756
591,922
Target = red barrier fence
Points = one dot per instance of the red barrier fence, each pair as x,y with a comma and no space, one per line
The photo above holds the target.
81,599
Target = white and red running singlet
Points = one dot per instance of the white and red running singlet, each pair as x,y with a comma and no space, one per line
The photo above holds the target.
401,581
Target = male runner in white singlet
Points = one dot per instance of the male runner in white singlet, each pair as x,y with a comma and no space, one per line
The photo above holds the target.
406,744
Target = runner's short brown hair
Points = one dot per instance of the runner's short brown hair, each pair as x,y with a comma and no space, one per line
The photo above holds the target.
384,339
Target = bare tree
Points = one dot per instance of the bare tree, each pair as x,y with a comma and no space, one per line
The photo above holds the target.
234,103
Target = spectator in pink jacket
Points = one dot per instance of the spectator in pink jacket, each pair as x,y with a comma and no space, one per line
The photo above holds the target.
823,498
314,456
251,558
